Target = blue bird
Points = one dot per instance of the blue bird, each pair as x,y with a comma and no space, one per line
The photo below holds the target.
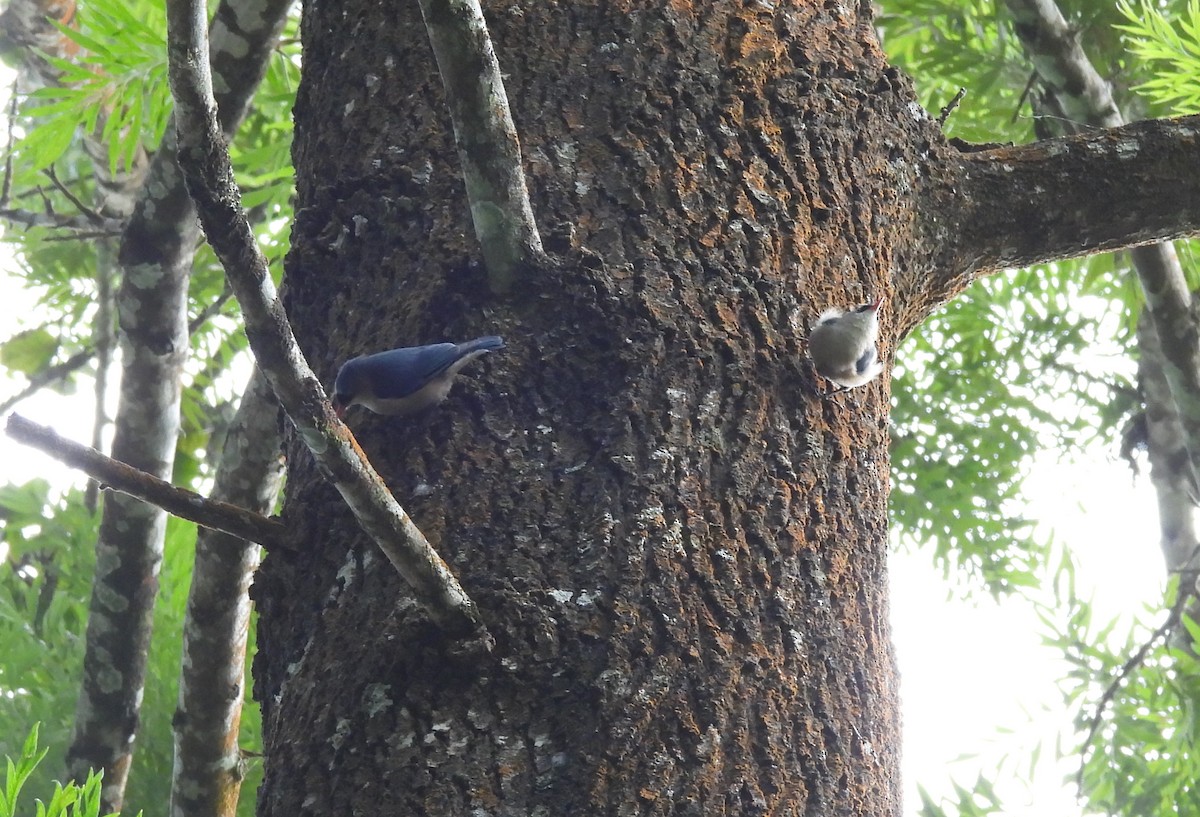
408,380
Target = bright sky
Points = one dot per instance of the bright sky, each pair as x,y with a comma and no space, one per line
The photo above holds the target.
969,669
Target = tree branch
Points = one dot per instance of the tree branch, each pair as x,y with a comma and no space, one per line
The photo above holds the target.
30,218
486,136
58,371
1171,473
1060,198
94,218
209,176
185,504
1083,95
207,773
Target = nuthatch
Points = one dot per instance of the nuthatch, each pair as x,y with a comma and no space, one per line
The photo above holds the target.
405,381
842,345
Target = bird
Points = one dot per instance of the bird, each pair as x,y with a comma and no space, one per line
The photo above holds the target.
406,380
842,345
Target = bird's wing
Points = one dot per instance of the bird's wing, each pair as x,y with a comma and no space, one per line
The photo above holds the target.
866,361
414,367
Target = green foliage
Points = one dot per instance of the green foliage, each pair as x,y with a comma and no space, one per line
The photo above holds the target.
950,44
1166,41
1010,369
44,587
71,800
1135,699
980,801
44,590
262,149
971,406
118,92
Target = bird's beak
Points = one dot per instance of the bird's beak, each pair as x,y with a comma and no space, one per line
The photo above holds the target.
339,410
875,303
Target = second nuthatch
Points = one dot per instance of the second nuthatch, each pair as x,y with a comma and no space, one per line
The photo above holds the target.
405,381
842,345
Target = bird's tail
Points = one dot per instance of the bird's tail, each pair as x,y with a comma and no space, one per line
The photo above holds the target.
484,344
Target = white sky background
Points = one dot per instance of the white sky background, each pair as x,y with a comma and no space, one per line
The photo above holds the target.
970,668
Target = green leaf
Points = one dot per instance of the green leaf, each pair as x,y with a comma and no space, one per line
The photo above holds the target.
29,352
47,142
18,773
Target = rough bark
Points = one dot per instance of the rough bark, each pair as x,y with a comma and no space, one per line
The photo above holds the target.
677,541
1170,462
206,165
208,769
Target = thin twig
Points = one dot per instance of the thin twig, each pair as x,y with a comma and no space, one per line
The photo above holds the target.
49,218
92,216
1033,78
203,316
77,361
82,235
136,483
1129,666
950,106
59,371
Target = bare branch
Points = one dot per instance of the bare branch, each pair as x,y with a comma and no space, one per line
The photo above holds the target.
209,175
30,218
185,504
91,215
1061,63
1071,196
59,371
207,774
487,138
1171,471
949,107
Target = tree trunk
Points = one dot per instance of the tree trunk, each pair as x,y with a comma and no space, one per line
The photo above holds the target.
676,536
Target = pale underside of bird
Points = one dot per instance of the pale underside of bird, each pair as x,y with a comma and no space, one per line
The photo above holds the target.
842,345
